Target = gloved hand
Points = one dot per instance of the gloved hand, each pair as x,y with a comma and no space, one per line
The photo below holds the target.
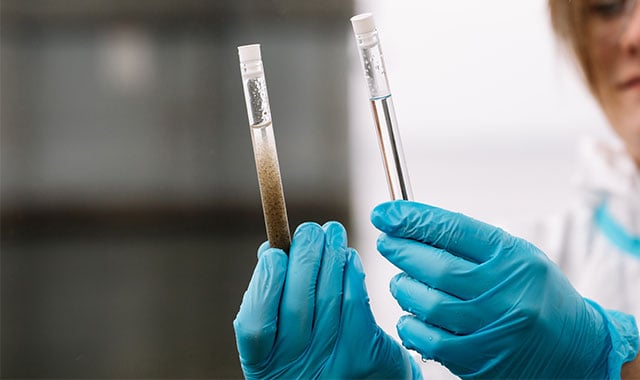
307,315
489,305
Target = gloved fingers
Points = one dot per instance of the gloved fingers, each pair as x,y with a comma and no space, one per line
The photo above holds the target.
457,353
362,349
297,307
355,299
357,328
256,323
436,307
453,232
263,247
329,289
435,267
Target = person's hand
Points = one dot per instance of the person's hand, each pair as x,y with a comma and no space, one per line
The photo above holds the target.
489,305
307,315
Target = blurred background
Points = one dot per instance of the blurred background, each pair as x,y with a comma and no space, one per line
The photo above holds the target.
130,207
130,212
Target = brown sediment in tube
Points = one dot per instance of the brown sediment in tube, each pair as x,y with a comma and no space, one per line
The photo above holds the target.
271,191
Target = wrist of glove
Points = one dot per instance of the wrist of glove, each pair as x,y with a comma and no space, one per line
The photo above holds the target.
307,315
623,338
487,304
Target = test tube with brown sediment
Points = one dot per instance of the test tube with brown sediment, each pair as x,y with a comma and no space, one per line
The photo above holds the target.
264,147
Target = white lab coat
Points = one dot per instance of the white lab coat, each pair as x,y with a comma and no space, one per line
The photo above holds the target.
596,239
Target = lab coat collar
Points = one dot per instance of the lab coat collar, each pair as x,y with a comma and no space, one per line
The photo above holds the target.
609,175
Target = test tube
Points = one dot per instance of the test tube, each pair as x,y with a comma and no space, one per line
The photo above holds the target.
264,147
384,115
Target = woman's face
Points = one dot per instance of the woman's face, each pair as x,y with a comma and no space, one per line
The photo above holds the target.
613,46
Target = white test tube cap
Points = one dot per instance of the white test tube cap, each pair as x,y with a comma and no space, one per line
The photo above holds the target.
363,23
249,53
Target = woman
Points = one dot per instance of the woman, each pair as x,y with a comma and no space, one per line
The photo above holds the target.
596,241
481,301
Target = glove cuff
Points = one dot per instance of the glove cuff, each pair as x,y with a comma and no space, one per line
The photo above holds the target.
623,333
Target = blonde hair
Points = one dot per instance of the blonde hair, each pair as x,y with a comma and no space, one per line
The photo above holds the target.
569,21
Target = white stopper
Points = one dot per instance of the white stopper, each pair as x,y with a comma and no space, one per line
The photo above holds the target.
249,53
363,23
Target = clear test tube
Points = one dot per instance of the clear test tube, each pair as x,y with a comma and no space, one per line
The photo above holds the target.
264,147
382,106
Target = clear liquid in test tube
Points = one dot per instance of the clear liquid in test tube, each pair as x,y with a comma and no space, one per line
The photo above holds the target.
382,106
264,147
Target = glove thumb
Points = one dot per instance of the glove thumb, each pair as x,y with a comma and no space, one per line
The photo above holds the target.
256,323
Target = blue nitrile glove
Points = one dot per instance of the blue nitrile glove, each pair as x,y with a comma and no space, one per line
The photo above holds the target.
489,305
307,315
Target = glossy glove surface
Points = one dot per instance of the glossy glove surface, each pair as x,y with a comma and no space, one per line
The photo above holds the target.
487,304
307,315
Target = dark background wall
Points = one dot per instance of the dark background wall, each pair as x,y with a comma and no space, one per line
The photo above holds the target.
129,201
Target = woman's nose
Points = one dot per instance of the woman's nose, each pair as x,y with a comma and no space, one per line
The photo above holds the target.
630,39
